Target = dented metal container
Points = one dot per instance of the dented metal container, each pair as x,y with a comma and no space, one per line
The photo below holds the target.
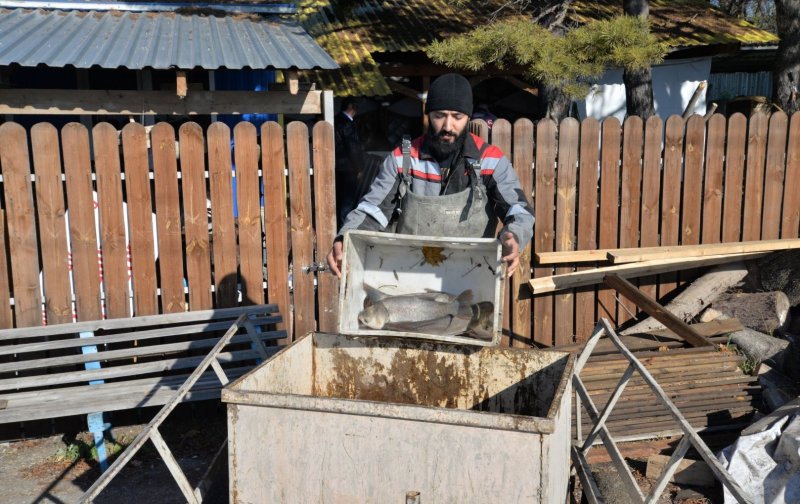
401,264
345,419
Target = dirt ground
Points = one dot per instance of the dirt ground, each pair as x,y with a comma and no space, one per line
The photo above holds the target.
46,469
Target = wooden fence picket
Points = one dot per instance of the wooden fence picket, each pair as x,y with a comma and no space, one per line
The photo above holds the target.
790,222
6,315
734,178
52,223
630,200
774,172
651,195
609,206
692,202
168,218
325,223
671,194
523,166
276,221
566,181
248,194
195,216
754,176
501,137
112,221
712,179
223,229
22,237
302,233
589,164
544,230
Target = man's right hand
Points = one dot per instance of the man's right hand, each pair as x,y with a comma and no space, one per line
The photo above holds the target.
335,258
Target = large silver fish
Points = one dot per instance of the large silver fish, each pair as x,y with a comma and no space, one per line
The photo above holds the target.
425,306
477,322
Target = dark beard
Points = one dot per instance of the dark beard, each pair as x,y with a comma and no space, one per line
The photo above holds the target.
440,148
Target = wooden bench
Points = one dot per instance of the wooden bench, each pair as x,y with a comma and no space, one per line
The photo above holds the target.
117,364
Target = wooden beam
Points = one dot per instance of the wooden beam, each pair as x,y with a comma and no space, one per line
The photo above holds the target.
404,90
181,84
291,76
105,102
655,310
621,256
573,256
633,270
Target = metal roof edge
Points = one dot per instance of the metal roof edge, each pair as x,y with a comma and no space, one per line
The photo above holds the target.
150,6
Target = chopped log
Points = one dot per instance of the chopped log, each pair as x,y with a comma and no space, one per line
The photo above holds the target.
690,472
621,256
779,271
655,310
633,270
760,347
696,296
761,311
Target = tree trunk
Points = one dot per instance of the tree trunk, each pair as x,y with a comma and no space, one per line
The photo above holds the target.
554,102
638,83
786,72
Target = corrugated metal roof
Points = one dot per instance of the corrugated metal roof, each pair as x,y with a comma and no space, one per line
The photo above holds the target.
158,40
351,32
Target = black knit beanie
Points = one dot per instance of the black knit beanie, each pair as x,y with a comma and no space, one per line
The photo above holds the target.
450,92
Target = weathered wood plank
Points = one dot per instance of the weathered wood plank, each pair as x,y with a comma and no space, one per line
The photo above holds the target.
195,216
774,171
223,232
734,178
565,222
671,194
248,193
140,219
276,220
609,206
651,195
790,222
168,218
630,201
622,256
325,223
6,316
52,223
544,230
22,236
501,138
754,176
692,202
113,242
712,181
588,168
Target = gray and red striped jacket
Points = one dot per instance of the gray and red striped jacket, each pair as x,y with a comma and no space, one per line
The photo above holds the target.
375,209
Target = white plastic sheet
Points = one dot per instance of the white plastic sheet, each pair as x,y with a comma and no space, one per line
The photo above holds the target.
767,463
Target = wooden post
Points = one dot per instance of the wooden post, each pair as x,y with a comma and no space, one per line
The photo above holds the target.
655,310
181,85
292,79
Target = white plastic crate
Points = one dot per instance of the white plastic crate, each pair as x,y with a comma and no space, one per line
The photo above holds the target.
402,264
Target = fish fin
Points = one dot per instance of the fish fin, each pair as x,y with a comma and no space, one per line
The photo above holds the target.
373,294
465,297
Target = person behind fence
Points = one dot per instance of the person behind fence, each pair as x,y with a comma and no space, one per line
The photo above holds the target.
349,158
447,182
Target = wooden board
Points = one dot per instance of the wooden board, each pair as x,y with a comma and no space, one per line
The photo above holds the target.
140,215
790,222
622,256
168,218
82,230
52,223
712,180
651,195
325,223
576,256
523,166
302,233
754,178
671,194
589,163
276,220
544,230
630,201
22,236
501,138
113,242
589,277
773,176
608,228
195,216
565,223
692,202
248,193
223,229
734,178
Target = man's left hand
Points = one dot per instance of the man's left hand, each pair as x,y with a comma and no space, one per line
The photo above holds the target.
510,252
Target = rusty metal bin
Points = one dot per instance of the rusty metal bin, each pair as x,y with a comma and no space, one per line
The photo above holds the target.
349,419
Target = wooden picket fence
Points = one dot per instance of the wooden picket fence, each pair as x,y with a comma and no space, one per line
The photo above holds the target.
150,226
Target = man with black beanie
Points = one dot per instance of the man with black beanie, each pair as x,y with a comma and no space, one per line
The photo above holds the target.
447,182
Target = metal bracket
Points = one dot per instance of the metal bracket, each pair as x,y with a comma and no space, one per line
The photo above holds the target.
316,267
